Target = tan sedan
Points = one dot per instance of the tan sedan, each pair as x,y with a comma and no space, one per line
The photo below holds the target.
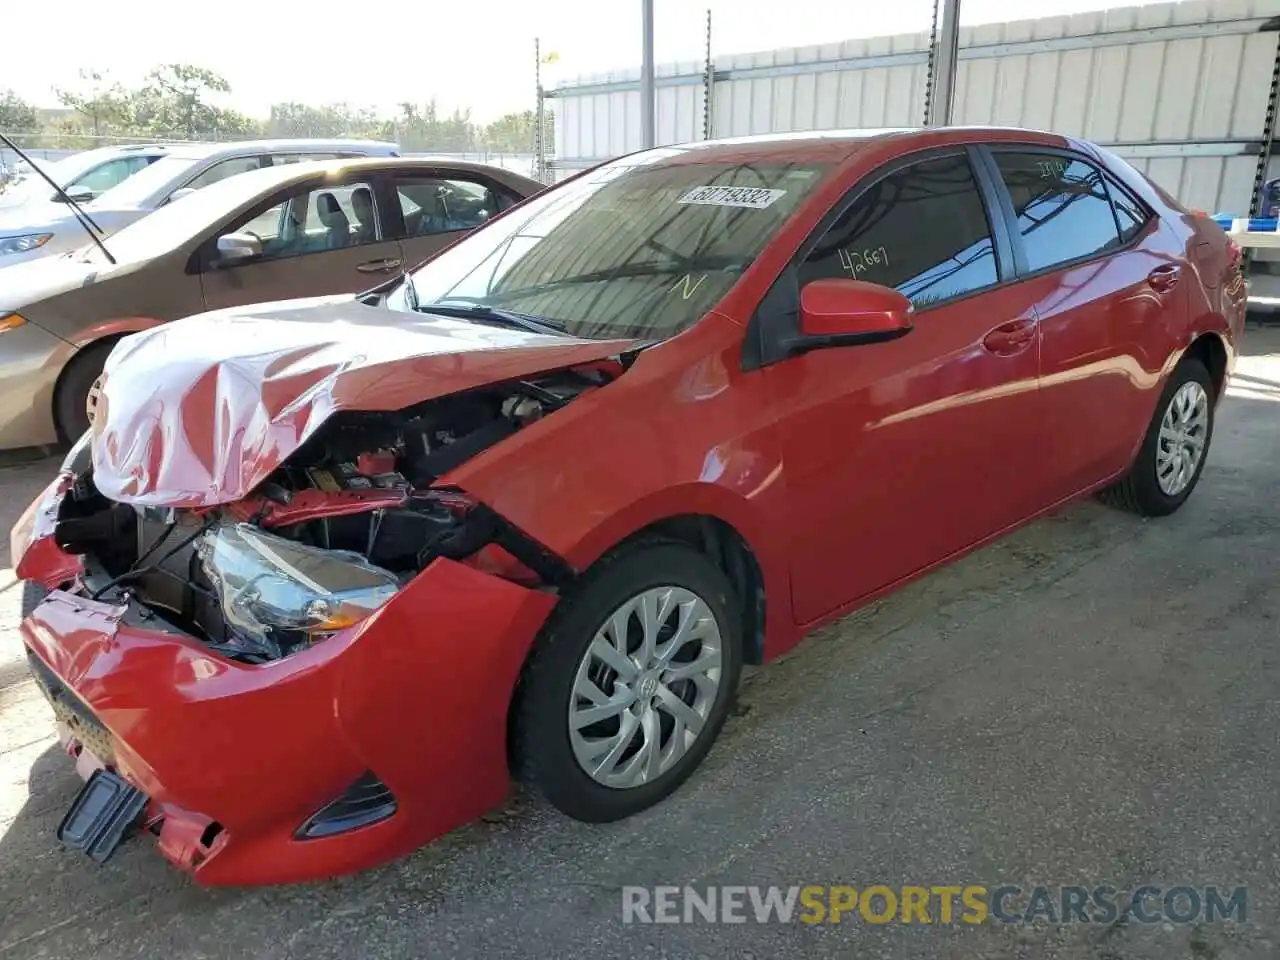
302,230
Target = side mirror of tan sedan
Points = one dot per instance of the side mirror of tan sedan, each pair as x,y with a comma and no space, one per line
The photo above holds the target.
235,247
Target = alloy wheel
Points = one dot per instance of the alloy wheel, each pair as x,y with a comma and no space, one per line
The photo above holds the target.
645,687
1184,431
92,398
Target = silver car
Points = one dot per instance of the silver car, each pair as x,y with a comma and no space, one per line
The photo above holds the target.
32,231
84,176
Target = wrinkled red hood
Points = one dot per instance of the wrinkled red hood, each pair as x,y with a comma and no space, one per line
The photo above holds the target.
199,412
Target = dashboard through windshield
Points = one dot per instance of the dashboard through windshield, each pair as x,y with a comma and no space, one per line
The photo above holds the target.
635,249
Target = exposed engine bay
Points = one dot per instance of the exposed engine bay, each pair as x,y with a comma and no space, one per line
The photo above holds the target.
345,523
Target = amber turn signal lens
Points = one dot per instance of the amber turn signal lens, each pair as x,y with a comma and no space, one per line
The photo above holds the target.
10,321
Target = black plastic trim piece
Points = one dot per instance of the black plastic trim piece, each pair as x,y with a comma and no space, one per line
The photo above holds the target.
365,802
104,811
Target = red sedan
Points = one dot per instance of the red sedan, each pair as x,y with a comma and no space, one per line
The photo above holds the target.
325,573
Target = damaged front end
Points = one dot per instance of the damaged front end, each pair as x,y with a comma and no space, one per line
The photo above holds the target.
349,632
336,531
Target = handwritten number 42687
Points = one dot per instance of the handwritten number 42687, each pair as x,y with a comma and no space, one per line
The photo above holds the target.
858,262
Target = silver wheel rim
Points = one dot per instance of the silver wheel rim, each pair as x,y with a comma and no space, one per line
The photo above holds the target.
1184,430
91,400
645,687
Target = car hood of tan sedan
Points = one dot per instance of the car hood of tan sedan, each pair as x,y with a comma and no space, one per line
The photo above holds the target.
199,412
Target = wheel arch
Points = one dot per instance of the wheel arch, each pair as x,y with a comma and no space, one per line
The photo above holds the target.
1211,350
104,344
708,531
722,524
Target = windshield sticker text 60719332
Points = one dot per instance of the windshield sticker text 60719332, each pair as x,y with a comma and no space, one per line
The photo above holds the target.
755,198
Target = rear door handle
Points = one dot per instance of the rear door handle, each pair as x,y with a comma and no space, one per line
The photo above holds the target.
1010,338
379,266
1164,278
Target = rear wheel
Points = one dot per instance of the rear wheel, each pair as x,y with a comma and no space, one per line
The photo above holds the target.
630,685
1173,452
75,395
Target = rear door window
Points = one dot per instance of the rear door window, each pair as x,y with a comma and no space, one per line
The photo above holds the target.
434,205
1062,206
922,230
1130,216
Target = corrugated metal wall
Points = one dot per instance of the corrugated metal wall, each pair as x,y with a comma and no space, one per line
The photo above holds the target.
1178,88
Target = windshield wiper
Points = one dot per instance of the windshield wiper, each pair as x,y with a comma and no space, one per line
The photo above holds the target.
486,314
90,227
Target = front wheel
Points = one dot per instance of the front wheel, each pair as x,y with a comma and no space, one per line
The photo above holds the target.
1173,452
628,688
76,397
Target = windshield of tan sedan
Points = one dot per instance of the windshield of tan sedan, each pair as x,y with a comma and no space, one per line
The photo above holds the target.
184,219
636,249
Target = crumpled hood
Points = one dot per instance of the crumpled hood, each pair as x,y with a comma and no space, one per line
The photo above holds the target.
199,412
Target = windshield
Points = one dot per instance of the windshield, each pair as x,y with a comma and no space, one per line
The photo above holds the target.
62,171
181,220
139,187
639,248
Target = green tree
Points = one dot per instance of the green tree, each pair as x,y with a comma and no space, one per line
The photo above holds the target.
511,133
330,120
16,115
101,105
175,102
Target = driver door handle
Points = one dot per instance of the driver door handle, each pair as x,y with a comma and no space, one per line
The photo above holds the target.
1010,338
1164,278
379,266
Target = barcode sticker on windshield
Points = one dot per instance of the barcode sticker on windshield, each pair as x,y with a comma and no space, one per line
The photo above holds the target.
754,198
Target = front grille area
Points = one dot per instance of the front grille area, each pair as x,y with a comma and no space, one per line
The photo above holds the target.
72,712
366,801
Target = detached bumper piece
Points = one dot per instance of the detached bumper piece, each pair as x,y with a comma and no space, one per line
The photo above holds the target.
103,813
365,802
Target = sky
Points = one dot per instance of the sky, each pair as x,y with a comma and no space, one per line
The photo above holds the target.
478,55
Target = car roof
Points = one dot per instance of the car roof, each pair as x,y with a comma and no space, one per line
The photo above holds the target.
282,175
195,150
835,146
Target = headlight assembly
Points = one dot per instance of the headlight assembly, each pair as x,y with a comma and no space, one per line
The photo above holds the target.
23,244
279,594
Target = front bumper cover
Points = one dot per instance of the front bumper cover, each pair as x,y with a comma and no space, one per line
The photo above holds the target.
236,757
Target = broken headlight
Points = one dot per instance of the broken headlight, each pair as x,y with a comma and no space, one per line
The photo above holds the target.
278,593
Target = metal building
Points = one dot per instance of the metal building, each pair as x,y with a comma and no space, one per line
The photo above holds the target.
1181,89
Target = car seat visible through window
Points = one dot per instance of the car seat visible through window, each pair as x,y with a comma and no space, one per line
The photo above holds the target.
362,206
337,226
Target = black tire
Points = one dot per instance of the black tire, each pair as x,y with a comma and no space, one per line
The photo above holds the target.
70,412
543,753
1138,491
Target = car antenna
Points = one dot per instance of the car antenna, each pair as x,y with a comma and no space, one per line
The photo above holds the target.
82,218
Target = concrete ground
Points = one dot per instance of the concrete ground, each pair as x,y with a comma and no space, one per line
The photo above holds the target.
1092,701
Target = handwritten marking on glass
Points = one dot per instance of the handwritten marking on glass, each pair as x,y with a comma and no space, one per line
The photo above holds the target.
688,286
1051,169
860,261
